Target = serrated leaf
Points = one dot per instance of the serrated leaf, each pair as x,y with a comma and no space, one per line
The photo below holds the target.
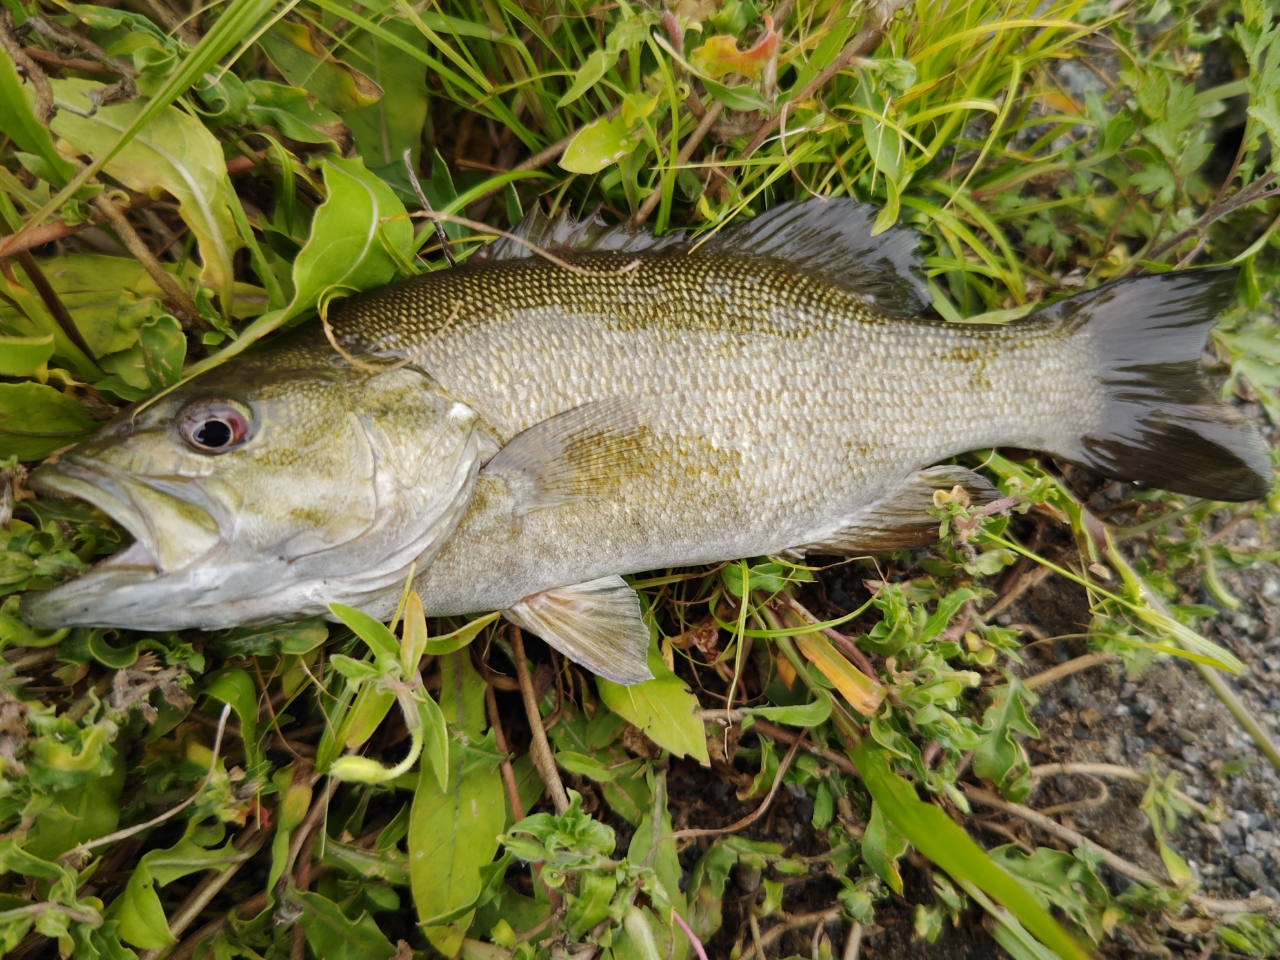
1000,757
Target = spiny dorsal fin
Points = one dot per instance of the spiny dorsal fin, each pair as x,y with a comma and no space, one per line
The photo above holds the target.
597,624
901,519
582,452
565,234
830,238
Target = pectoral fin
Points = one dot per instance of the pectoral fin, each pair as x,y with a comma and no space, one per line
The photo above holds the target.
596,624
901,519
583,452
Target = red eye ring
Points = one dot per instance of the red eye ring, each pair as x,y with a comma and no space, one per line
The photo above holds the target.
213,426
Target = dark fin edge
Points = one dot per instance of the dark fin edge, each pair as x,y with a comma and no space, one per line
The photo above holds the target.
1163,424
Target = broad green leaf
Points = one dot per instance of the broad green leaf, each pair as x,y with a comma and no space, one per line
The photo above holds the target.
372,631
74,816
174,152
340,87
234,686
454,833
292,112
19,124
599,144
1059,879
882,845
138,909
804,715
345,252
662,707
597,64
25,356
459,638
385,129
332,936
390,864
151,364
938,837
36,420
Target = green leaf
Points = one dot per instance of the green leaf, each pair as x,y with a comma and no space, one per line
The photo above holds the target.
938,837
19,124
882,845
138,909
390,864
662,707
174,152
454,833
345,252
384,130
151,364
1059,879
1000,757
456,640
24,356
804,715
234,686
599,144
291,111
597,64
36,420
372,631
331,935
340,87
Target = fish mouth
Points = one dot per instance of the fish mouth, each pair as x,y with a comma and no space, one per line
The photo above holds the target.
170,534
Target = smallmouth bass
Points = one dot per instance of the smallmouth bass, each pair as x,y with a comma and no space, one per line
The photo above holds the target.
526,433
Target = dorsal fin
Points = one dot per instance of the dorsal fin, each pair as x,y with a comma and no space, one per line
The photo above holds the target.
827,238
830,238
564,234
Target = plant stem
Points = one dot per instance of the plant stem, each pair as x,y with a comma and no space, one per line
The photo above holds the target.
1236,707
1054,674
540,748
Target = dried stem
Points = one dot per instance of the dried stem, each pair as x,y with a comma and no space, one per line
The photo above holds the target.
540,748
799,921
708,120
755,814
250,908
179,300
43,109
1113,770
1054,674
426,205
500,741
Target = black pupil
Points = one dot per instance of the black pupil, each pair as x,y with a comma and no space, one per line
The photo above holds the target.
212,433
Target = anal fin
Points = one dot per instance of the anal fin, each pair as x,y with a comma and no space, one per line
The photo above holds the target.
596,624
901,519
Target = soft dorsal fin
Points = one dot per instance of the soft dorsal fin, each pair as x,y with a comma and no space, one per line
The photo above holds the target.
564,234
900,519
597,624
582,452
830,238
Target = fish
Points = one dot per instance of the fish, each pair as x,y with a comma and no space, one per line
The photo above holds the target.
522,432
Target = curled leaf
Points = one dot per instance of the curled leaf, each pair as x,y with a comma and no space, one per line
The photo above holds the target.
720,55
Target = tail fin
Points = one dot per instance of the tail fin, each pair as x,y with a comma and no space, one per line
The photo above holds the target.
1162,424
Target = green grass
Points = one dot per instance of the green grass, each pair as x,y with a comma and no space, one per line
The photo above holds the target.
1038,148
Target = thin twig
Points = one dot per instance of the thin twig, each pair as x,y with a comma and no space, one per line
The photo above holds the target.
780,733
426,205
1113,770
250,908
500,741
1054,674
1246,195
43,108
751,817
708,120
540,748
693,937
853,943
78,852
799,921
180,301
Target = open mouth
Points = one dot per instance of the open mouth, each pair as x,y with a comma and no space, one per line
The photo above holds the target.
169,533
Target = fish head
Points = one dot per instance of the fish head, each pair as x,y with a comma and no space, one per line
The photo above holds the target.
262,492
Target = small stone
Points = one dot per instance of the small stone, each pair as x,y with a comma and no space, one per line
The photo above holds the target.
1248,868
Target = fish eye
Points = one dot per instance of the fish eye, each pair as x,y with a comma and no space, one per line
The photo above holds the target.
213,426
